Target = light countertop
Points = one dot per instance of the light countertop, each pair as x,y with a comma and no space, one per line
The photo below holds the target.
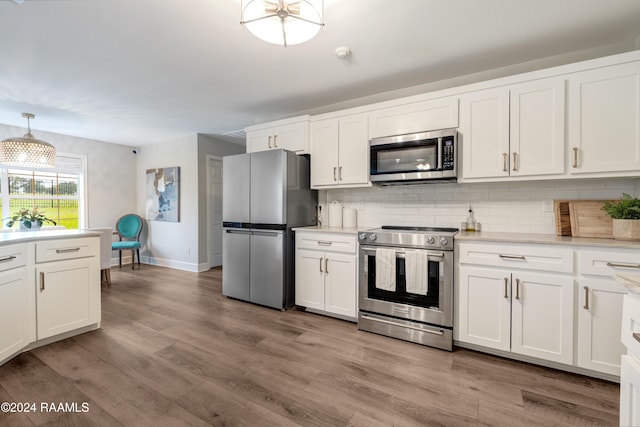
550,239
7,237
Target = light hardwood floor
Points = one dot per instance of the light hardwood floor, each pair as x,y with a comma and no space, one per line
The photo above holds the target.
173,351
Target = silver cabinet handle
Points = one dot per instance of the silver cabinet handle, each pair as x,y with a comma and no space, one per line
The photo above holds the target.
614,264
586,298
575,157
67,250
506,287
340,173
8,258
517,288
270,141
518,257
505,159
275,141
321,266
326,266
324,243
515,162
334,173
42,280
636,336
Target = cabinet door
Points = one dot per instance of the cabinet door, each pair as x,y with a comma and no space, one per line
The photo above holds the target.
537,128
324,153
68,295
599,320
340,284
310,279
415,117
259,140
353,150
484,133
542,316
484,307
293,137
16,316
630,392
604,118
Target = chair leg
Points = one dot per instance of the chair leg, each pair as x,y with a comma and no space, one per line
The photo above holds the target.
133,258
120,258
107,273
138,252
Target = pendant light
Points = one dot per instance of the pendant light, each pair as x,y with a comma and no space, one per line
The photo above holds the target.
282,22
27,151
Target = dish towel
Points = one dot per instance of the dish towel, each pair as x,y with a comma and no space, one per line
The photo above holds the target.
386,269
416,265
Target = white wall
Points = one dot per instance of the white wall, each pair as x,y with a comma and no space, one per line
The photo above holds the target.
508,207
111,176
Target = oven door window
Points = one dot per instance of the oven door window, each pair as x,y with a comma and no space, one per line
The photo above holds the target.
433,277
402,158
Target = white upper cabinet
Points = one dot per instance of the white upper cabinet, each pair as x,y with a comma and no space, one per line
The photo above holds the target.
340,152
604,119
414,117
484,133
537,128
290,134
513,131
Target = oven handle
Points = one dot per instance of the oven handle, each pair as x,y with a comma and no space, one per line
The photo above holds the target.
388,322
401,254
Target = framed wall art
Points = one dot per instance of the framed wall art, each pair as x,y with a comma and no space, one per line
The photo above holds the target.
163,194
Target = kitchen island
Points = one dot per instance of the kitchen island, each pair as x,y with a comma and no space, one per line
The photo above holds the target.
49,287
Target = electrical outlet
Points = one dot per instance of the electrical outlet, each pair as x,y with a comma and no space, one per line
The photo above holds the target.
547,206
188,251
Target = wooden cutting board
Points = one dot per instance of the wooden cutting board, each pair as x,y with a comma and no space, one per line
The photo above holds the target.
589,220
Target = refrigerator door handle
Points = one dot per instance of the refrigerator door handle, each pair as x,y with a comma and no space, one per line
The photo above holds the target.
237,231
266,233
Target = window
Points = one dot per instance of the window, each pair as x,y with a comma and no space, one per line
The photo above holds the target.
55,192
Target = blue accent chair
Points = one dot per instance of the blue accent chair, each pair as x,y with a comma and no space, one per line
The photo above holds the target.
128,229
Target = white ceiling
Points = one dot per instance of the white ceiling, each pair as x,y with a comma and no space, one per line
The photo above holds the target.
137,72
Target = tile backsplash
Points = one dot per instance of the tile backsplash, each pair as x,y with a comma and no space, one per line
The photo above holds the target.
522,207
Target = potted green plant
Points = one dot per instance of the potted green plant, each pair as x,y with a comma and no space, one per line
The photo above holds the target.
29,219
626,215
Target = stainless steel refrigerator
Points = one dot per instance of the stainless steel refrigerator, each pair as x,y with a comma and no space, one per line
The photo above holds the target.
264,195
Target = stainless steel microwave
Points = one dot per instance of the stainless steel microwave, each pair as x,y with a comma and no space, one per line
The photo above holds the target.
414,158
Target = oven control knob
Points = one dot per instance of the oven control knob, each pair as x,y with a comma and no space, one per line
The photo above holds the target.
362,236
372,237
431,240
443,241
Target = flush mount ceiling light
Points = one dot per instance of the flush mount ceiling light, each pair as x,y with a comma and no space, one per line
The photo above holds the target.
282,22
27,151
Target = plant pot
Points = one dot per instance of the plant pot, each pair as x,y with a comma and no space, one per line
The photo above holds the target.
34,226
626,229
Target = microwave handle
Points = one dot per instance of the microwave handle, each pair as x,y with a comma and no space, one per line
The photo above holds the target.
440,143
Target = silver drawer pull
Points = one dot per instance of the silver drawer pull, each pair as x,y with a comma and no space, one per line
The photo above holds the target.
401,325
518,257
42,280
324,243
65,251
636,336
8,258
614,264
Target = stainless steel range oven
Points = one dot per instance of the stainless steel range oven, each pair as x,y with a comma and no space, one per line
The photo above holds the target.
406,284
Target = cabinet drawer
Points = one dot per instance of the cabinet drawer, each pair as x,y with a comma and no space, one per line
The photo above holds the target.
332,242
631,325
12,256
610,262
55,250
534,257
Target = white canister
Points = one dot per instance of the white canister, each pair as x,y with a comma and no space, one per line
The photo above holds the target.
335,214
349,218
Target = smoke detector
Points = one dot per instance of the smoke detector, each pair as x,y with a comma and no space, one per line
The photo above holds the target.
343,52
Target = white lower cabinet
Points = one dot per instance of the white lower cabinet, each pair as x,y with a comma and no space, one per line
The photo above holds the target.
326,273
16,312
522,312
630,369
67,297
